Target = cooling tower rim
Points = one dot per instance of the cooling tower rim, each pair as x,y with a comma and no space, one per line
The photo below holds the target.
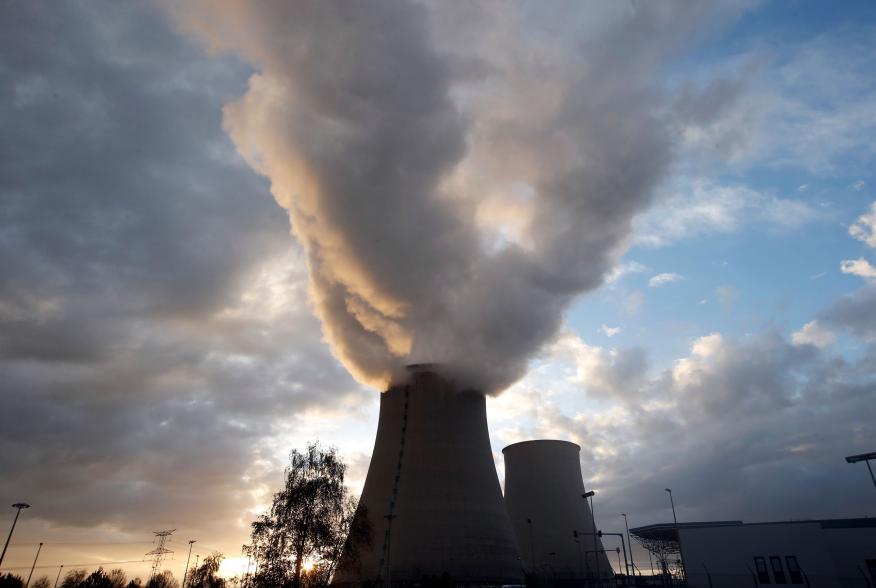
556,442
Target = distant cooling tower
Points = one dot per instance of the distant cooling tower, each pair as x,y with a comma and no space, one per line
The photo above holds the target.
543,488
432,495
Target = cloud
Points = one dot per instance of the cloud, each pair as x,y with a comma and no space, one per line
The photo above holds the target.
784,105
743,429
615,374
858,186
623,269
663,279
855,312
392,159
814,333
858,267
609,331
864,227
696,207
155,328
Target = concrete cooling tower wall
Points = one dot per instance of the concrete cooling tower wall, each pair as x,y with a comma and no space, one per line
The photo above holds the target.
432,495
543,488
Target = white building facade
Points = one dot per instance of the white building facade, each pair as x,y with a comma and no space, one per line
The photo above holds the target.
835,553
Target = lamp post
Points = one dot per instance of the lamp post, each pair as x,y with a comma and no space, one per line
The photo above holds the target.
630,545
865,457
585,496
19,506
678,534
36,557
186,573
58,579
672,502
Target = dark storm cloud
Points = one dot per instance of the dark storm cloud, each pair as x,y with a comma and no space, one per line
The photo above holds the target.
154,325
855,312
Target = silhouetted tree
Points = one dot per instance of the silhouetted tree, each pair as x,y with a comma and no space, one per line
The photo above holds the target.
163,580
74,578
10,581
42,582
135,583
97,579
308,522
118,578
206,574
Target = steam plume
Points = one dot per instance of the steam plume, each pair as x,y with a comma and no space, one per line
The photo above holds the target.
457,174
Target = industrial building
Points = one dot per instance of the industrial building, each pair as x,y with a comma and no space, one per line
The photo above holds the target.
432,496
832,553
552,521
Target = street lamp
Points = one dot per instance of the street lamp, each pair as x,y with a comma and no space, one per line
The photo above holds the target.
585,496
865,457
19,506
630,545
678,534
672,502
186,573
30,575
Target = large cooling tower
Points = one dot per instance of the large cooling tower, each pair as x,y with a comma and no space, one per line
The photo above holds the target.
543,493
432,495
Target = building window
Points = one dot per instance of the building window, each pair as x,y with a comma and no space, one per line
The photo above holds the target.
793,569
763,576
778,569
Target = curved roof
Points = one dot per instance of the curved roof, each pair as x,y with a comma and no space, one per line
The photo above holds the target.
539,441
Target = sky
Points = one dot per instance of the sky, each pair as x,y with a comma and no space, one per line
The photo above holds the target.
648,228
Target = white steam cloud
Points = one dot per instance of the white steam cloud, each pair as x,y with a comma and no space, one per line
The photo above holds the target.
456,173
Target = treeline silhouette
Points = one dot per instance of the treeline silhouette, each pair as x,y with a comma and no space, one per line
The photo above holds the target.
297,543
204,576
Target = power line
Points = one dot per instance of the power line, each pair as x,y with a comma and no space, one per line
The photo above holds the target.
84,543
73,565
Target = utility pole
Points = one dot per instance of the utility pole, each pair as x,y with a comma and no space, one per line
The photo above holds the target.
36,557
186,573
19,506
160,551
58,579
